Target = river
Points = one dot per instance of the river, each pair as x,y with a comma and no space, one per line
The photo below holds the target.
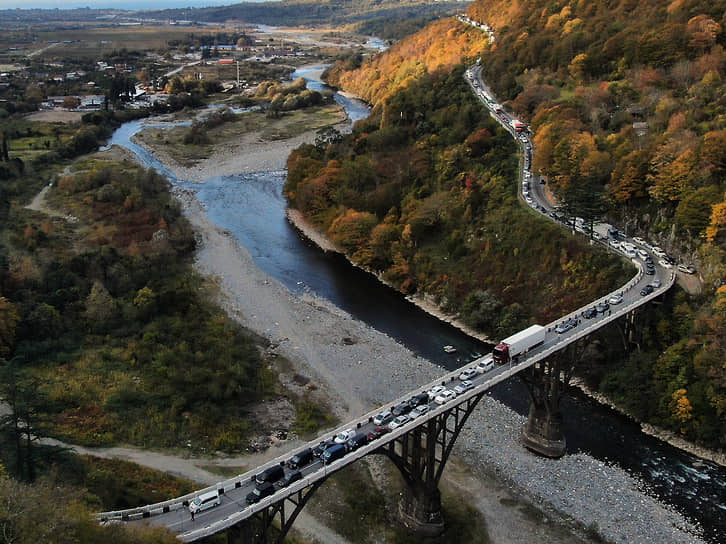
252,207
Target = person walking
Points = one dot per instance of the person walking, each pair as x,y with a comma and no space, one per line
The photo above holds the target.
192,511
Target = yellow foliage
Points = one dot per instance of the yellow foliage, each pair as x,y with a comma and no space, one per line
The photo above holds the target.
682,409
718,222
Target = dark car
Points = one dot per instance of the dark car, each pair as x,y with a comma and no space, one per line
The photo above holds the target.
589,313
403,408
271,475
650,270
301,458
360,439
646,290
260,492
291,477
565,326
377,433
320,448
333,454
417,400
602,307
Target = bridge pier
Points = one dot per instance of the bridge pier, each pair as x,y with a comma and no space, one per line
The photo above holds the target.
543,433
421,456
420,510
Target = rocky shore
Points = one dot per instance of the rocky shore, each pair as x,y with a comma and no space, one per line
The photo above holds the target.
360,368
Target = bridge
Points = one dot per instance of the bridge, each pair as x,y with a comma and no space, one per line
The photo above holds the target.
420,447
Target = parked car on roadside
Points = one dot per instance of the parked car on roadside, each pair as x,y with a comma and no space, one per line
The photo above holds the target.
343,436
435,391
463,387
602,307
686,269
589,313
617,298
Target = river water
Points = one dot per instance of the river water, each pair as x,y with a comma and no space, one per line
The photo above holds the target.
252,207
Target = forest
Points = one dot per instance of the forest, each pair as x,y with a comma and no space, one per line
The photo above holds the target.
625,100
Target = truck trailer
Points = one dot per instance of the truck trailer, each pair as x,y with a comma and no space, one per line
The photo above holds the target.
511,348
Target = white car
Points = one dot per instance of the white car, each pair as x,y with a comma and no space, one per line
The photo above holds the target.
344,436
463,387
400,420
686,269
642,254
655,283
468,374
615,299
444,397
659,252
418,411
383,418
485,365
615,244
435,391
665,264
638,240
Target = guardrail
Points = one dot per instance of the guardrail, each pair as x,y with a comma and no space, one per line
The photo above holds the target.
497,376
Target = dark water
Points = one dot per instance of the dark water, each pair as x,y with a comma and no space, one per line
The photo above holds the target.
253,208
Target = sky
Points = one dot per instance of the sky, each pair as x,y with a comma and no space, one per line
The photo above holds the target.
118,4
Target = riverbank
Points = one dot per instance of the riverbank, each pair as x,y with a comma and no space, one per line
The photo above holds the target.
360,368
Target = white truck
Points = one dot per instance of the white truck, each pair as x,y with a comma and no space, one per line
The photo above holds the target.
511,348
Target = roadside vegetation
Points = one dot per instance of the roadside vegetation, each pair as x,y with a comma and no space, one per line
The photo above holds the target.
624,105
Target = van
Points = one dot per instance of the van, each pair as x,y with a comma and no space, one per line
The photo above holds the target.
301,458
260,492
204,501
270,475
360,439
333,454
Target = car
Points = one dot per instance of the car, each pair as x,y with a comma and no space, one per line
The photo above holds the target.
655,283
485,365
300,459
260,492
646,290
377,433
614,244
638,240
665,264
204,501
444,397
402,408
649,260
418,400
595,235
686,269
658,251
320,448
383,418
463,387
643,254
602,307
418,411
468,374
399,421
343,436
650,270
564,326
435,391
291,477
615,299
589,313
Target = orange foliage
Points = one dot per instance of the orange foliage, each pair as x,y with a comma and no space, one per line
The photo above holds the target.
424,52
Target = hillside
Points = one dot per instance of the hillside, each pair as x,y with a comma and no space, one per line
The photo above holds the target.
626,101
